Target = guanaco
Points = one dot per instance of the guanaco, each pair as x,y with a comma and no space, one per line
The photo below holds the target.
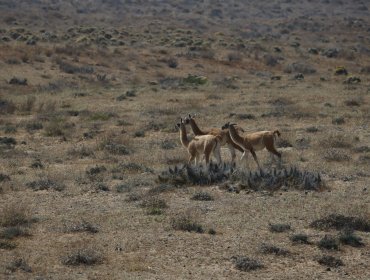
200,145
255,141
223,134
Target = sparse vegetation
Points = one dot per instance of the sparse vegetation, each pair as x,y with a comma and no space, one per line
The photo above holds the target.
90,93
246,264
83,256
330,261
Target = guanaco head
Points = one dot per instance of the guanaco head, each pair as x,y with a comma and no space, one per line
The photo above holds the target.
178,125
227,125
189,118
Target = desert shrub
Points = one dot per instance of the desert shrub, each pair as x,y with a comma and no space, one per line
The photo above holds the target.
13,232
123,188
340,71
195,175
211,231
202,196
329,243
56,127
15,215
45,184
272,249
154,205
330,261
74,69
139,133
20,264
82,226
312,129
274,179
4,177
336,141
279,227
234,57
7,107
172,62
102,116
132,197
131,167
338,120
34,125
82,257
336,155
81,152
339,222
298,67
168,144
101,187
246,264
270,60
300,239
114,147
8,141
348,237
96,170
353,102
18,81
245,116
131,93
6,245
362,149
352,80
9,128
195,80
37,164
186,223
28,104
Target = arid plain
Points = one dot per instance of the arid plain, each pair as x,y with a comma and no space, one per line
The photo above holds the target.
90,94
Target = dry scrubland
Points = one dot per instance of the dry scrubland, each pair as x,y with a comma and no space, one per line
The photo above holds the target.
89,97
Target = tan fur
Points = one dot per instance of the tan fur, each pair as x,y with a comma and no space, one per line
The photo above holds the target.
200,145
223,134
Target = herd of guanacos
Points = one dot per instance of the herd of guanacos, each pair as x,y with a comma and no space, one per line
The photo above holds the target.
207,142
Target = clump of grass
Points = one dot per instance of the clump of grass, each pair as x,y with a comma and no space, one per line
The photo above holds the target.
279,227
246,264
154,205
123,188
14,232
211,231
83,257
337,141
272,249
9,142
300,239
347,237
202,196
56,127
115,148
274,179
102,116
186,223
139,133
195,175
330,261
4,177
15,215
45,184
329,243
339,222
20,264
6,245
133,197
81,152
338,120
37,164
168,145
336,155
34,125
82,226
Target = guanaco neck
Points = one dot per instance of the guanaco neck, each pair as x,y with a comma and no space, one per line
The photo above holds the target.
235,136
183,137
195,128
